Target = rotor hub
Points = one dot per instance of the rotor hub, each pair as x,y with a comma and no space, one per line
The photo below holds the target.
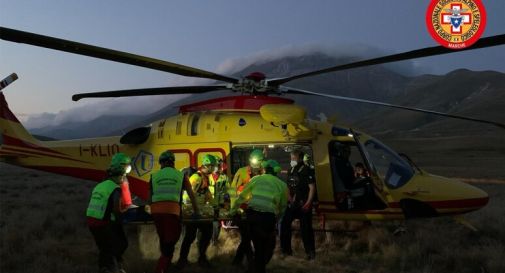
253,83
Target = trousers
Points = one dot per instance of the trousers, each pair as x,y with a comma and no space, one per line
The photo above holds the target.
262,230
190,236
112,242
305,227
244,248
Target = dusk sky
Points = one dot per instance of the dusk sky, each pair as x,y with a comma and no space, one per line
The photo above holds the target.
203,34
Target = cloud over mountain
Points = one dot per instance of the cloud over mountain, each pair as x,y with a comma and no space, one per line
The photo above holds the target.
139,106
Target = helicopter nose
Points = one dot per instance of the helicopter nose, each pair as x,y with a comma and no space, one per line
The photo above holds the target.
455,197
474,199
481,195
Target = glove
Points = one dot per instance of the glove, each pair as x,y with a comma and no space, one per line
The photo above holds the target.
147,209
307,207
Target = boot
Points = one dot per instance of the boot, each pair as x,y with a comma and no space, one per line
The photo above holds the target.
239,256
105,270
310,256
204,262
121,267
163,264
181,263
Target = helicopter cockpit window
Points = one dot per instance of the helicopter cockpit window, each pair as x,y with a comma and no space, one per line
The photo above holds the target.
281,153
390,167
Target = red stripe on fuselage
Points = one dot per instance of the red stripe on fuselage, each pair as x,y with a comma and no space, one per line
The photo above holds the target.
452,204
137,186
11,154
7,140
38,153
446,204
325,210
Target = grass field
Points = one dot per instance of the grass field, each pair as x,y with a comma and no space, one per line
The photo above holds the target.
43,229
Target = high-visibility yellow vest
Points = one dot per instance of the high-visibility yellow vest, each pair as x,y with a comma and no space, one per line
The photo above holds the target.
202,195
220,187
167,185
241,178
267,194
100,199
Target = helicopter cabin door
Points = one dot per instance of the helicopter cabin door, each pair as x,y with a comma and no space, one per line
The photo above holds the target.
381,191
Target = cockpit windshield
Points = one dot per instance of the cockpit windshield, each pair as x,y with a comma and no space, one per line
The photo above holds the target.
388,165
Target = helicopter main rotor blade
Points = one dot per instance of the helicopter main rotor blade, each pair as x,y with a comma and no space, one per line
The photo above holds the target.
150,91
306,92
107,54
419,53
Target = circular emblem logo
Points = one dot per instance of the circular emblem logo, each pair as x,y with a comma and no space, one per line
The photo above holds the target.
456,24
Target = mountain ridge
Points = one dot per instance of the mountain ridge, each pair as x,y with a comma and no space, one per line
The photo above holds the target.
465,92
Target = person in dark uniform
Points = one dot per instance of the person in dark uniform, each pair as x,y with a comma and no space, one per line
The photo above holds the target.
302,189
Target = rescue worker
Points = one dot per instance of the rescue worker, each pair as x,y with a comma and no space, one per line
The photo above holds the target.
244,174
104,216
204,191
166,187
240,180
219,179
267,197
302,190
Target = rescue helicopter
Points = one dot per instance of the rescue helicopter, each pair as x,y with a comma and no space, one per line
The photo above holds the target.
258,116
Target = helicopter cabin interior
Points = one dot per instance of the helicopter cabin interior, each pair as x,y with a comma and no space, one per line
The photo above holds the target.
354,189
351,178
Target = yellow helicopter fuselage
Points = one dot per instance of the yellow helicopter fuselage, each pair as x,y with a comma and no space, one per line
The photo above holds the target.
226,125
